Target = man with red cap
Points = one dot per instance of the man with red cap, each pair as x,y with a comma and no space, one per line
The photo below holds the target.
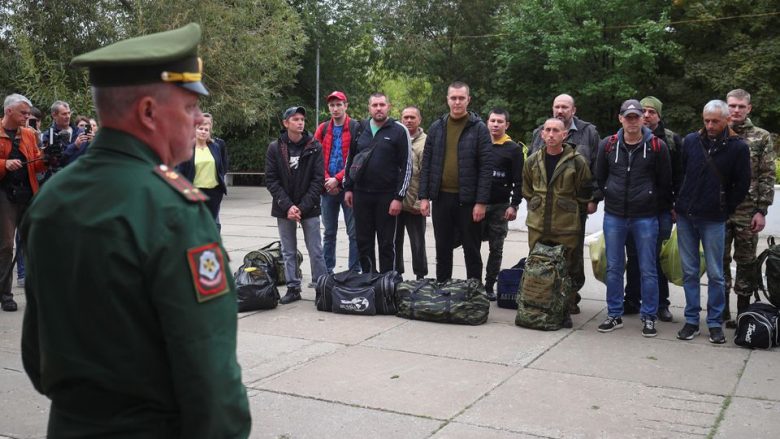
335,142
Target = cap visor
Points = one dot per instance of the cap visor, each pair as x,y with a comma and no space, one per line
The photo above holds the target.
195,87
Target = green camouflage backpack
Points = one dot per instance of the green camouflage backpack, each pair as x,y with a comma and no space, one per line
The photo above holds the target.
271,256
752,273
541,299
453,301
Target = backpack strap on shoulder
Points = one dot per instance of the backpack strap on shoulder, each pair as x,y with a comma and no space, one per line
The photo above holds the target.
611,142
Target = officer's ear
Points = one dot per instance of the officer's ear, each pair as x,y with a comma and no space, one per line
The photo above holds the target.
146,109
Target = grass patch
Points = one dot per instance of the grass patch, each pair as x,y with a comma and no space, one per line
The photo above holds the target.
721,415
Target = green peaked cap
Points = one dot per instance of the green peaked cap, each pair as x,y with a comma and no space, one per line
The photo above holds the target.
170,56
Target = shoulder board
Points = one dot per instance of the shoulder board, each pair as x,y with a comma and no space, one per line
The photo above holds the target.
180,184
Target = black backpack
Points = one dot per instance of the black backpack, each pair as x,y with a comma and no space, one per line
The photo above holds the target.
255,288
757,327
752,273
507,284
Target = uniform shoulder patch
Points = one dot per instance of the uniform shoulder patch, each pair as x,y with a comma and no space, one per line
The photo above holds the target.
207,266
180,184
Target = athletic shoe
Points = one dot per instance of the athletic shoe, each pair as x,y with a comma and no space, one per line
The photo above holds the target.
688,332
716,335
610,324
648,328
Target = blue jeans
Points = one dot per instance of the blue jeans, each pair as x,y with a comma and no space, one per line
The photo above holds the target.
633,283
712,235
289,239
645,233
330,219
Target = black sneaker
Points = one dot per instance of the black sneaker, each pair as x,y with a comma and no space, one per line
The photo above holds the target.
491,295
574,309
665,315
610,324
567,323
688,332
292,295
9,305
731,324
716,335
648,328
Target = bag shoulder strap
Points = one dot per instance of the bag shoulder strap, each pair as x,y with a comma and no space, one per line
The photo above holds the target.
274,244
611,142
711,164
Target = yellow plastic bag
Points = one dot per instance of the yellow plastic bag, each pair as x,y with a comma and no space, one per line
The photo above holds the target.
598,258
671,263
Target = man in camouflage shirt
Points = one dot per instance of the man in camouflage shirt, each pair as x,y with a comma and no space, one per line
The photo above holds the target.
749,219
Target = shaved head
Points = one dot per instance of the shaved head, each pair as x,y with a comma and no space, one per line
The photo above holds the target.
564,98
564,109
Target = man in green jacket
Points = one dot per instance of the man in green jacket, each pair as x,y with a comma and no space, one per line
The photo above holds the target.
557,185
130,325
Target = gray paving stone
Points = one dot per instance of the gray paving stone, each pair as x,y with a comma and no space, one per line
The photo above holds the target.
24,411
456,430
560,405
654,362
302,320
261,356
401,382
761,378
491,342
750,418
285,416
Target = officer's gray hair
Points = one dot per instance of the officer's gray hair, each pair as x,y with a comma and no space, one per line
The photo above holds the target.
116,102
738,93
13,99
55,107
716,106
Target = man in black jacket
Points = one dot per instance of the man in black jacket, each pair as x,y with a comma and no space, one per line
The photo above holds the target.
716,178
379,168
634,175
294,173
456,173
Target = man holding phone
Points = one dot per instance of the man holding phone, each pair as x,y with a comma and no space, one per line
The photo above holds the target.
77,139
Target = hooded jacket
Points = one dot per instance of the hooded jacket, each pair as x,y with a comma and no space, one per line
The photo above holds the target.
555,208
706,194
302,188
634,183
474,161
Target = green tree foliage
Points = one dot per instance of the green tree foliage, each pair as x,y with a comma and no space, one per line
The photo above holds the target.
726,44
600,51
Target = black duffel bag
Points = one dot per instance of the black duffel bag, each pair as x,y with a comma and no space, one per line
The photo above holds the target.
255,289
757,327
350,292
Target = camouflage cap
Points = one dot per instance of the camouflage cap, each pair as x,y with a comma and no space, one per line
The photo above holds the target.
170,56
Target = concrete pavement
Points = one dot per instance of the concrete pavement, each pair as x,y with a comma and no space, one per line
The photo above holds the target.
311,374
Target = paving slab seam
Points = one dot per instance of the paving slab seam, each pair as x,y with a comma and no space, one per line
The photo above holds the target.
296,366
346,404
617,380
448,357
727,400
490,427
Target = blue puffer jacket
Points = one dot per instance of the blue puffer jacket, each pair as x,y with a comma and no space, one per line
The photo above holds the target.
704,194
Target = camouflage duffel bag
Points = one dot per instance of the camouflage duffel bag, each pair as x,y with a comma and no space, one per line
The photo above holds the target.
541,299
454,301
271,255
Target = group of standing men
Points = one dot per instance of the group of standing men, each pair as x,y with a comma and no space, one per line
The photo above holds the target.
388,175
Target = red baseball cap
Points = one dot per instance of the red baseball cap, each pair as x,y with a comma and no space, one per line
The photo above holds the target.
336,95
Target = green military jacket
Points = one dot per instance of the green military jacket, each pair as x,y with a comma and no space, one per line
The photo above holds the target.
130,324
762,171
556,208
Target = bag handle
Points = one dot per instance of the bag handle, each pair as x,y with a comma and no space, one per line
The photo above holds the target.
520,263
275,243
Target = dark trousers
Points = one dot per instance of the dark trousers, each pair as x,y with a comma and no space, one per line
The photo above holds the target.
372,222
452,220
213,203
415,226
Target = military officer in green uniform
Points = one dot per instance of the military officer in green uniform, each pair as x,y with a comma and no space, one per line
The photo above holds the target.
749,219
130,325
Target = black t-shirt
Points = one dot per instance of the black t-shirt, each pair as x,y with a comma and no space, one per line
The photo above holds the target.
550,162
